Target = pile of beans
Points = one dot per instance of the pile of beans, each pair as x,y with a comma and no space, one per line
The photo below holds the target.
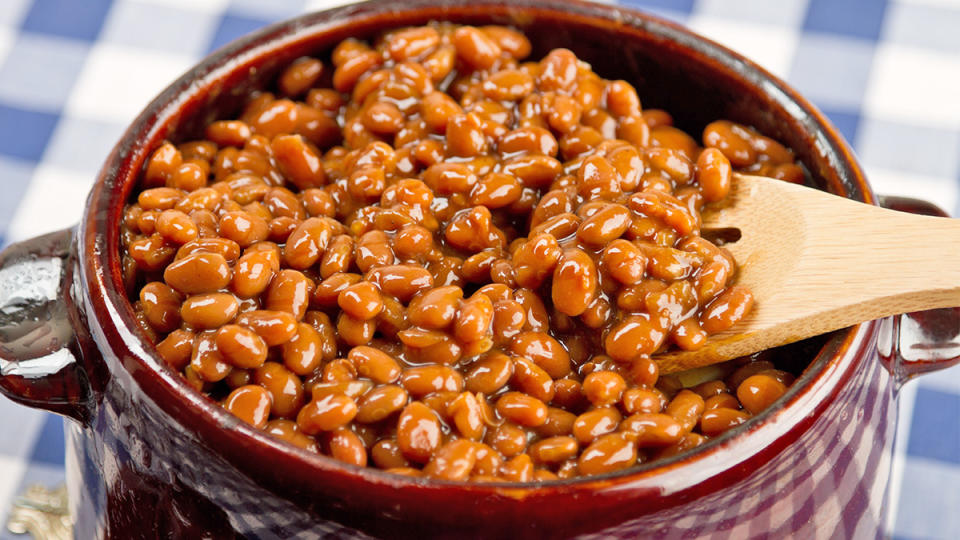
430,256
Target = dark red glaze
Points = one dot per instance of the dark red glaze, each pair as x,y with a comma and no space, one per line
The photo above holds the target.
149,457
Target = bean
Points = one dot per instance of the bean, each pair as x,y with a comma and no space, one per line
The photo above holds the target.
242,347
284,386
253,273
508,439
622,99
518,469
198,273
161,198
510,41
228,249
636,335
532,379
289,291
423,380
758,392
306,243
452,461
732,140
381,402
274,327
574,282
346,446
412,42
466,415
355,332
605,226
374,364
716,421
326,414
163,162
559,422
508,85
726,309
206,361
250,403
489,374
624,261
475,48
327,292
338,257
373,250
544,351
554,450
474,319
302,353
533,170
522,408
361,300
642,400
536,259
611,452
386,454
300,76
176,348
592,424
401,281
713,174
418,432
435,308
725,400
208,311
603,388
176,227
161,305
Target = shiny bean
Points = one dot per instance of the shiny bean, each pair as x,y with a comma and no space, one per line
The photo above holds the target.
418,432
242,347
574,282
522,408
209,311
284,386
326,414
758,392
611,452
161,305
452,461
374,364
289,291
302,353
594,423
423,380
198,273
251,404
380,403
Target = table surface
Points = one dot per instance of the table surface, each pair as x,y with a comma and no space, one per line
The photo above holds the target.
887,73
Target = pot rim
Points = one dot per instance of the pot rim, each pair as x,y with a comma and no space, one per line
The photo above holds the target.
112,312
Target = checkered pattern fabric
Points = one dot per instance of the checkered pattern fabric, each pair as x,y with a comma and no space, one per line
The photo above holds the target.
887,73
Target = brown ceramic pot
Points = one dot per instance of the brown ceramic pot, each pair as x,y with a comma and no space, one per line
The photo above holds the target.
149,457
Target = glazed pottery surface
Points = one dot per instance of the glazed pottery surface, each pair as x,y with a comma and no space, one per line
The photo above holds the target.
149,457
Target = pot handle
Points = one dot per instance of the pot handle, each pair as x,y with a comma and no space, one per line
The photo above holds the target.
915,343
39,349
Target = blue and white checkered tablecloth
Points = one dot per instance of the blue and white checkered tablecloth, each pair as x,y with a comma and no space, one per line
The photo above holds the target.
73,73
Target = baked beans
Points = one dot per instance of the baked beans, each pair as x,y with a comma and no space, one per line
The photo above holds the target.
434,256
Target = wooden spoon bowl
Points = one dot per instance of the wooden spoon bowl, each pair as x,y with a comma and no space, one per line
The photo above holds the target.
816,262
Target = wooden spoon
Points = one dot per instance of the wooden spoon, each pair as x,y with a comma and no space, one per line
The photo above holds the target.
817,262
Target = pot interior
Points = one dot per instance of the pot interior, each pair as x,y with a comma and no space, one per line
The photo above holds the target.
693,79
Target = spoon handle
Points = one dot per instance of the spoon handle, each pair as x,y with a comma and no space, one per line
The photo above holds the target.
864,262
